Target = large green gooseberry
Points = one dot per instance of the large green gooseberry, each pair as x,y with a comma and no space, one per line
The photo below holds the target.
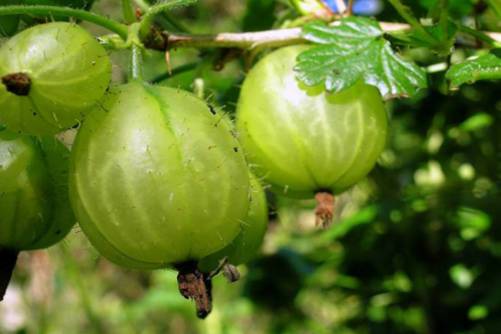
51,75
157,178
34,207
248,242
304,140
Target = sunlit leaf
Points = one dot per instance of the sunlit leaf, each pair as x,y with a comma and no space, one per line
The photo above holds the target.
486,67
356,50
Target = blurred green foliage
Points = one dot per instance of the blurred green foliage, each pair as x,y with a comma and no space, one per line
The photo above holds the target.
415,248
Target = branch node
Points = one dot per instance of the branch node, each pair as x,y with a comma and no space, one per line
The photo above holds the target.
157,39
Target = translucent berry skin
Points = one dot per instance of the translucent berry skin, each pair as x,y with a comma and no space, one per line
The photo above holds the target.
247,244
303,140
34,207
157,178
69,73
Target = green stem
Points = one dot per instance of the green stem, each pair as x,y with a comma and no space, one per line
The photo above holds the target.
128,11
102,21
149,16
176,71
136,62
478,35
444,17
165,20
407,15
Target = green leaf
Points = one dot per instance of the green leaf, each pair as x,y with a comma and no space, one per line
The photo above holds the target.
356,50
486,67
359,29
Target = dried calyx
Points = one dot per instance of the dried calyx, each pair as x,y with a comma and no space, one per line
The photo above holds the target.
324,211
17,83
195,285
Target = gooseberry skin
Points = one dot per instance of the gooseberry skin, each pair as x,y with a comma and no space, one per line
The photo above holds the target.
246,245
69,72
35,211
157,178
303,140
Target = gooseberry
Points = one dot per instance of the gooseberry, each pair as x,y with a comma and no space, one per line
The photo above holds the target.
35,211
158,180
304,140
51,74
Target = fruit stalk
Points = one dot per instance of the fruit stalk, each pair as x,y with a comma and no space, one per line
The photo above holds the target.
136,63
197,286
8,258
